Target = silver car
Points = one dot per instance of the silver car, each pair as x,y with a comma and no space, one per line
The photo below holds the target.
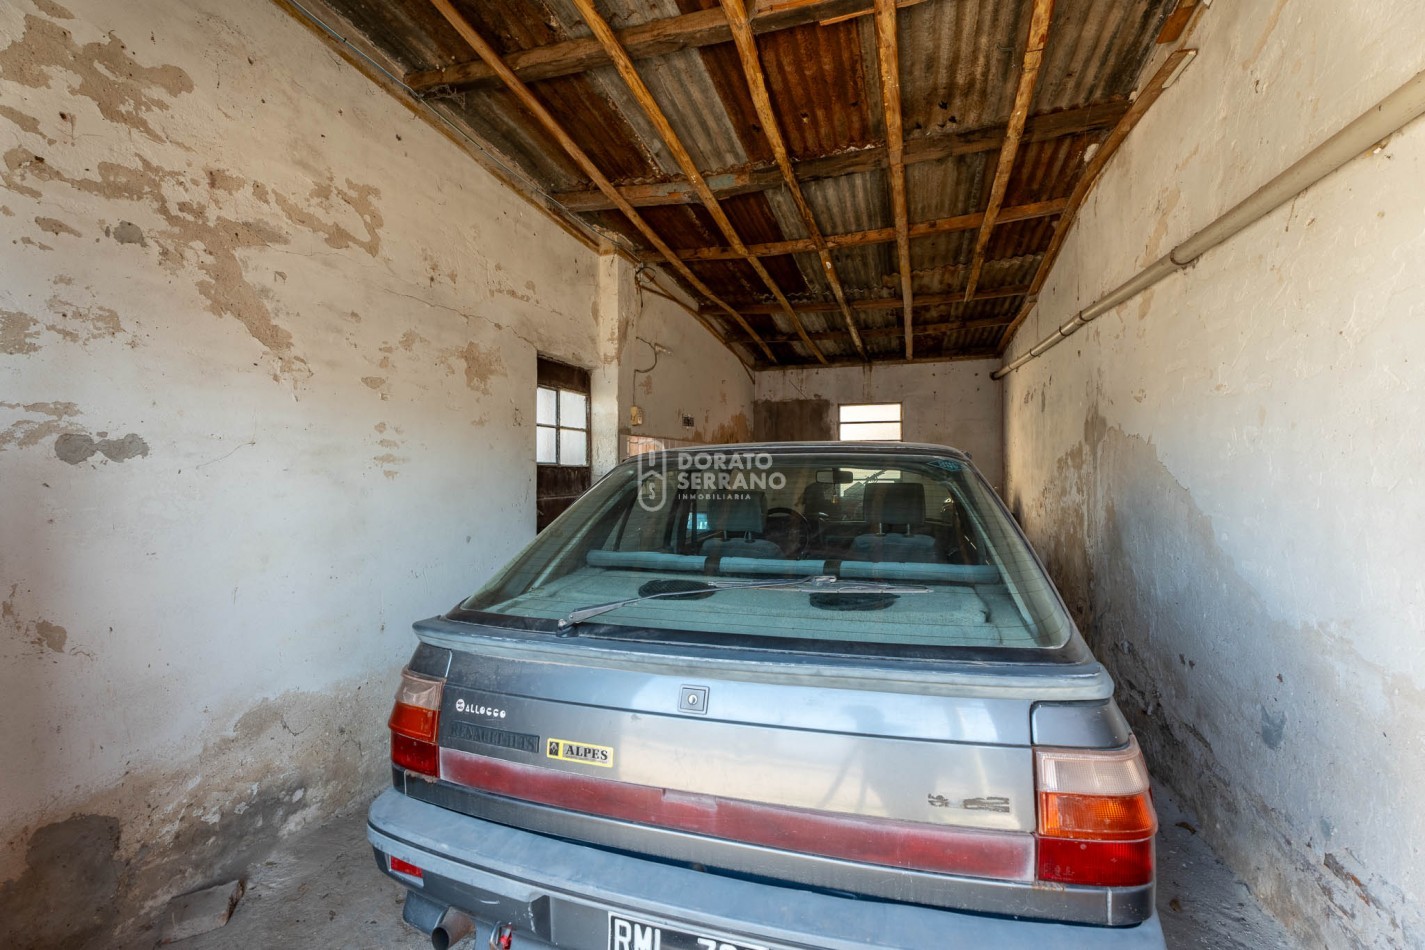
809,695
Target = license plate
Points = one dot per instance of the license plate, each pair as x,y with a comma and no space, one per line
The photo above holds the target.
628,934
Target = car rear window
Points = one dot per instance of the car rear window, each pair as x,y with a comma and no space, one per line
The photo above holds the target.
805,549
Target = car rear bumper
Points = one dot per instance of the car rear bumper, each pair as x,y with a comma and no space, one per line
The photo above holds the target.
559,894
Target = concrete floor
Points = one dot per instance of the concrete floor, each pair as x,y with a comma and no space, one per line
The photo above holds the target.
322,889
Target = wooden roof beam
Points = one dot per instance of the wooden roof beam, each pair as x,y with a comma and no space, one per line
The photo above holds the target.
888,56
531,102
742,37
644,97
1023,99
920,329
654,38
889,303
745,179
1146,97
923,229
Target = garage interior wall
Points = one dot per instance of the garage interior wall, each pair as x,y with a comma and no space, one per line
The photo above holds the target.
1224,474
952,404
267,362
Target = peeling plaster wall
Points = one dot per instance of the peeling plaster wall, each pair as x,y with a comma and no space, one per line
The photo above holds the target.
952,404
267,355
1224,474
673,367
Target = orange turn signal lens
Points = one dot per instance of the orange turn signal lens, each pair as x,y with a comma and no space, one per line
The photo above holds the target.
413,721
1097,817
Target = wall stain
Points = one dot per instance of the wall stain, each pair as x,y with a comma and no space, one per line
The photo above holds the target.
1100,522
53,10
124,91
76,447
65,897
359,198
26,433
50,635
225,286
1273,728
481,364
126,232
83,324
736,429
25,123
55,226
18,332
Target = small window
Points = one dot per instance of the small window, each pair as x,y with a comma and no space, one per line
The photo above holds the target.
870,422
561,432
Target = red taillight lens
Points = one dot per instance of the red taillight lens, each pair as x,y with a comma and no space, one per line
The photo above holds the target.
1097,863
1096,819
405,867
414,723
414,755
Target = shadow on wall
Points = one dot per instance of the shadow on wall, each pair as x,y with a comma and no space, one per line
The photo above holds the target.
1163,608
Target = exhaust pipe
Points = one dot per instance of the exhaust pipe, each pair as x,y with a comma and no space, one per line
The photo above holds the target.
454,927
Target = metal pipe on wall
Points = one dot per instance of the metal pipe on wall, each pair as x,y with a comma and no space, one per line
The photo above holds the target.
1382,120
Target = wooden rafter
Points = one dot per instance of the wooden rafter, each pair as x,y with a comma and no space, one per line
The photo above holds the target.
531,102
654,38
1023,99
891,303
959,222
888,56
925,148
921,329
1146,97
762,102
983,354
644,97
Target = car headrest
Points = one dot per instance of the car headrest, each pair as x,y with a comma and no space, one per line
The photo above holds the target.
895,503
740,512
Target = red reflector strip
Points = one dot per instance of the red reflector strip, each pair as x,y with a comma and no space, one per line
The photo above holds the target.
1002,856
405,867
1096,863
422,757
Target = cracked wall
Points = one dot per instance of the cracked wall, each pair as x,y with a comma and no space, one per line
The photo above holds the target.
1223,474
267,352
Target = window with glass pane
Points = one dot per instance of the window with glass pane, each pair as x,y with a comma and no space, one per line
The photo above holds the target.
561,427
870,422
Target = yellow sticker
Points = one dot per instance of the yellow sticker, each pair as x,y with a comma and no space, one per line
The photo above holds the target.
568,751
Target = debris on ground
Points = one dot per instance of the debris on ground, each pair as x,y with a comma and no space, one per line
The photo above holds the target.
189,915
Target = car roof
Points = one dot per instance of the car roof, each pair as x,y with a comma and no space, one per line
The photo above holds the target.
812,448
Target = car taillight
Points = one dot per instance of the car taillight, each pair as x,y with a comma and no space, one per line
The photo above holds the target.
1096,819
414,721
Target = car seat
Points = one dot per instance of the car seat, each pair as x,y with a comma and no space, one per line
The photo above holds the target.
740,519
895,510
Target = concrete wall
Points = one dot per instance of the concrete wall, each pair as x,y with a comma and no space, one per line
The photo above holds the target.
1224,474
267,351
946,403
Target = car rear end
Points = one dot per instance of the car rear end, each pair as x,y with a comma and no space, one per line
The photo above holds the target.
760,761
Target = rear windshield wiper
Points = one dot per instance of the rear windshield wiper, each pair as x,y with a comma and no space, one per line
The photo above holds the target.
818,584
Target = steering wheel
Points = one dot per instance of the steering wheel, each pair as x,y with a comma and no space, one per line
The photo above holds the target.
790,529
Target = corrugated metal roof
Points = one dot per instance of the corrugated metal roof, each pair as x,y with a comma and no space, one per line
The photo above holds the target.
959,66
